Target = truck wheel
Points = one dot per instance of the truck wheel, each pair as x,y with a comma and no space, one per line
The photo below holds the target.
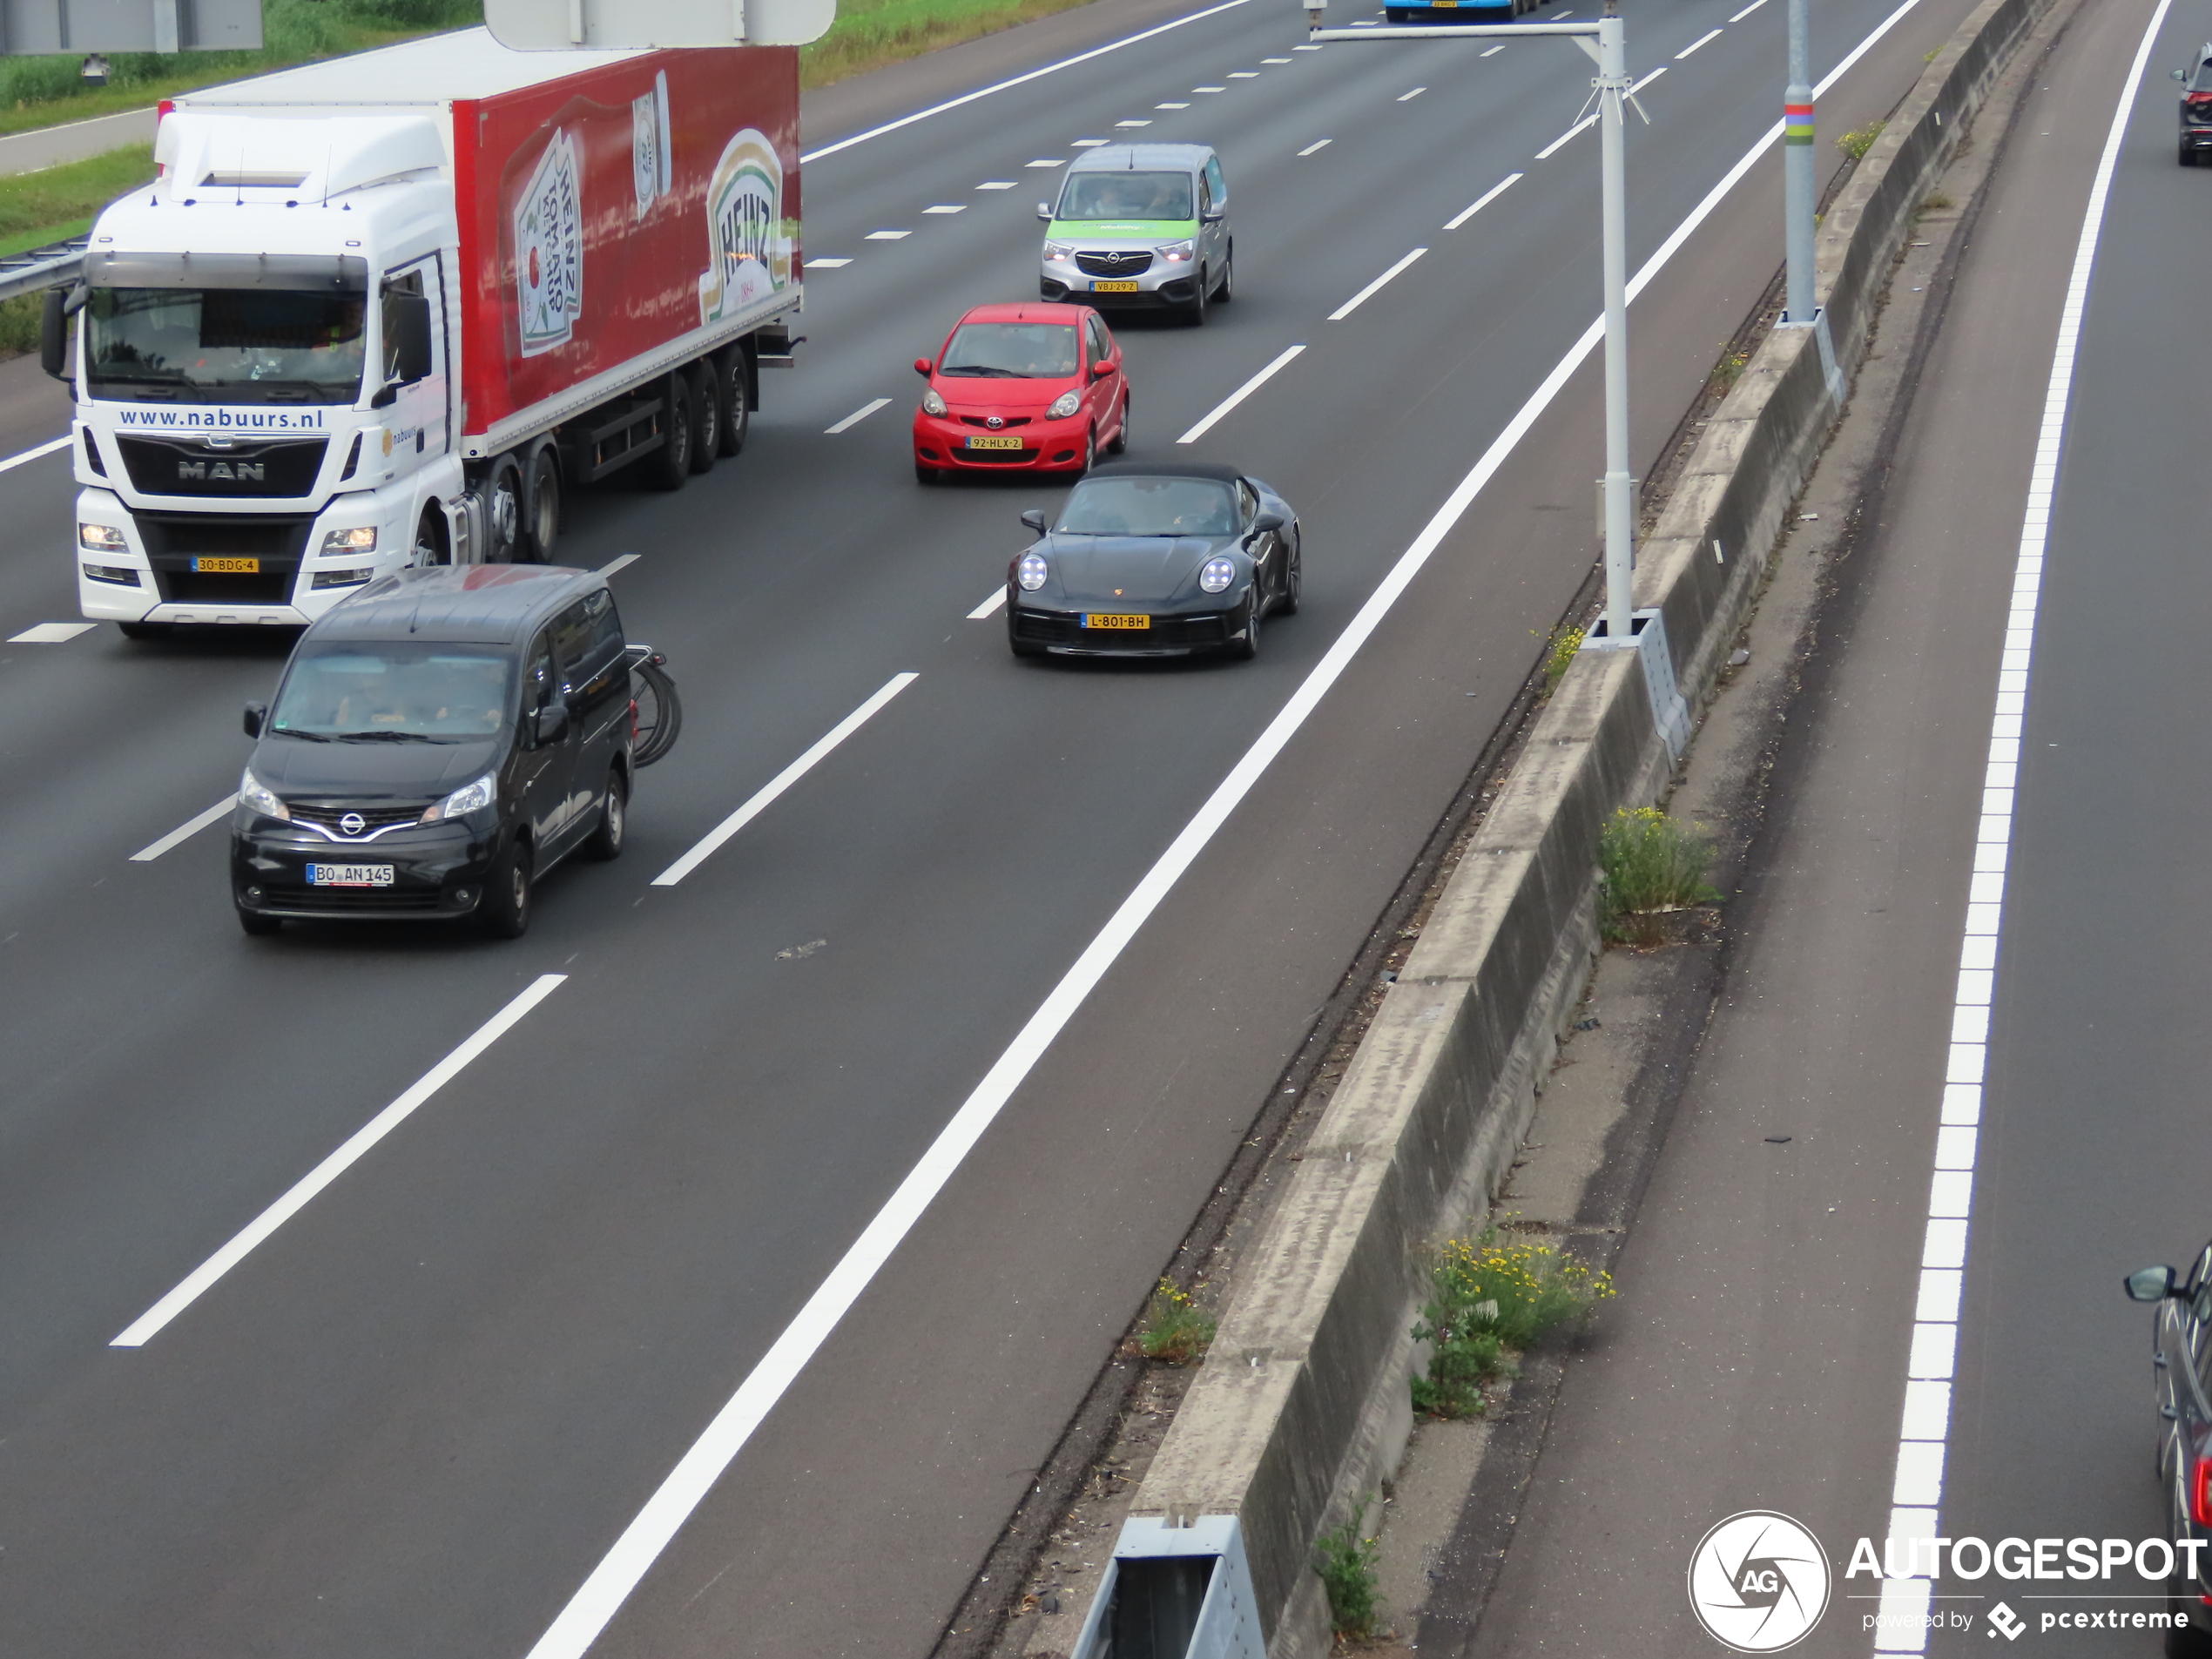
542,507
706,414
733,390
503,513
670,464
429,540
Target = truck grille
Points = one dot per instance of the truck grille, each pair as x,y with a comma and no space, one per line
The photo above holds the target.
186,467
174,540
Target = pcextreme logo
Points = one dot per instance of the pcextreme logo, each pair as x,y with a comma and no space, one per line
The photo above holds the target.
1758,1581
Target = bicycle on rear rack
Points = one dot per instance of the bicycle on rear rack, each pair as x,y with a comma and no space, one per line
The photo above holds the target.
656,712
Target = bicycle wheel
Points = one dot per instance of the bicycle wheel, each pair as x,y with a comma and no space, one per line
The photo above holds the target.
659,714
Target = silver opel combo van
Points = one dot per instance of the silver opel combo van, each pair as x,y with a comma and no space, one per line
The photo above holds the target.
1140,224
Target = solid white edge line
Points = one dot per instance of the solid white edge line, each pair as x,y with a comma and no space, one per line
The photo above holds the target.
990,607
1374,288
1705,40
1923,1448
622,563
856,417
336,1165
184,832
601,1596
1019,80
1238,396
13,461
761,799
1487,197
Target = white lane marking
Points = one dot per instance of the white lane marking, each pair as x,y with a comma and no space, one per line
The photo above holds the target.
812,263
1915,1492
1243,74
46,448
1238,396
1407,98
622,564
1019,80
1590,120
1747,11
767,794
1374,288
1056,161
886,236
947,207
1322,144
1079,144
185,831
1210,88
1491,52
1705,40
1132,123
1184,106
336,1164
856,417
51,633
996,184
1487,197
626,1562
990,607
1307,49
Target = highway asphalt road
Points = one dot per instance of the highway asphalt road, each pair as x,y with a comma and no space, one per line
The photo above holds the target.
420,1413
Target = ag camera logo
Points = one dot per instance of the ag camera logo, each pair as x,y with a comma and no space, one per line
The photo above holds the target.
1758,1581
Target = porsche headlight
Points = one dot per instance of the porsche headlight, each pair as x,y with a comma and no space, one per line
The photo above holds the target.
1063,406
1030,572
472,798
256,796
931,403
1217,575
1179,252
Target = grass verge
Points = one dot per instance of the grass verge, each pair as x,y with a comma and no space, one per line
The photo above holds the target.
870,34
46,206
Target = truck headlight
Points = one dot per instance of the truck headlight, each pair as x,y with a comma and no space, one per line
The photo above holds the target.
103,538
931,403
472,798
256,796
1063,406
361,539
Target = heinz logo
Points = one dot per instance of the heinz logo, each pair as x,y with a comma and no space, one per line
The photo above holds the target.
243,472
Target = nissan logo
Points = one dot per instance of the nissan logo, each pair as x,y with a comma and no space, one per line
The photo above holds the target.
353,823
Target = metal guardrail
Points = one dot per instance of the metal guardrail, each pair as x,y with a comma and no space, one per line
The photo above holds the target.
42,267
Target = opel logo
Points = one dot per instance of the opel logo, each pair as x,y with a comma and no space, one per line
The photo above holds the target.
994,422
353,823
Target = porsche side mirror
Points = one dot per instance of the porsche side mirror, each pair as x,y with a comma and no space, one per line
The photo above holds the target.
1044,212
1267,522
1100,371
1034,520
255,714
2150,1284
923,366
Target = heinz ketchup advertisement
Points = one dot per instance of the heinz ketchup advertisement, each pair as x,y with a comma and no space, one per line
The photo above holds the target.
616,210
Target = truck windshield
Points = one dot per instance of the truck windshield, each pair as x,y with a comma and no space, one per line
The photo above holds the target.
1127,195
224,345
346,690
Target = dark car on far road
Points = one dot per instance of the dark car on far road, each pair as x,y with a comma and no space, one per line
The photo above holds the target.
2196,107
1156,561
2181,1357
437,744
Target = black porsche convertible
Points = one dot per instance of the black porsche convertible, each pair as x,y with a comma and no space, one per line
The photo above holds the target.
1153,561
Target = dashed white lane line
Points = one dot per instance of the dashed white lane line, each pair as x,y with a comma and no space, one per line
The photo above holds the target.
1210,88
1374,288
1705,40
621,563
601,1596
1239,395
1590,120
45,448
1310,48
1184,106
1483,201
1132,123
1055,161
1407,98
991,606
856,417
765,796
947,207
1916,1493
886,236
51,633
1081,144
827,265
336,1164
997,183
1747,11
1243,74
1322,144
185,831
1491,52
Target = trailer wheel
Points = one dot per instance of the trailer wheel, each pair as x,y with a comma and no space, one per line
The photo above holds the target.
503,513
542,506
733,391
669,465
706,411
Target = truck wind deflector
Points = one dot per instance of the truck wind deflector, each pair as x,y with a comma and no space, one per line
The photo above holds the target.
285,273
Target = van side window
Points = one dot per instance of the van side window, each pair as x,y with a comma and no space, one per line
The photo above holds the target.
606,626
537,681
1205,193
1215,185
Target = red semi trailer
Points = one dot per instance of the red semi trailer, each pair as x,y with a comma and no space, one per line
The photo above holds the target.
386,310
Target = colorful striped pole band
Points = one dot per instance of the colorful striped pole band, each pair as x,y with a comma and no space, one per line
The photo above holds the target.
1796,124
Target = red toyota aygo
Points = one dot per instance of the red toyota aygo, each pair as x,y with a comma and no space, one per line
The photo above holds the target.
1027,387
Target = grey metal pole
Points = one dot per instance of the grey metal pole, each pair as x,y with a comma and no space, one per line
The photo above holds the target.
1798,179
1620,490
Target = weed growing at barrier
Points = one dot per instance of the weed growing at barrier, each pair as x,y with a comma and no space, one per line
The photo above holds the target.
1491,1298
1175,1331
1649,864
1734,360
1856,143
1938,203
1566,640
1348,1569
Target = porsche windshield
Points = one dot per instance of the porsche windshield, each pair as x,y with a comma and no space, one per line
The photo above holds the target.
1020,351
224,345
1127,195
395,692
1150,507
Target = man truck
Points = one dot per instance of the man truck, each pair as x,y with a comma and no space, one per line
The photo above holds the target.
390,310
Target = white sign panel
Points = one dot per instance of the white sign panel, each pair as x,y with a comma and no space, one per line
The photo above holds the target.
616,25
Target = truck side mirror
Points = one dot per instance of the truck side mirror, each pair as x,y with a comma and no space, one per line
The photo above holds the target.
255,714
53,335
